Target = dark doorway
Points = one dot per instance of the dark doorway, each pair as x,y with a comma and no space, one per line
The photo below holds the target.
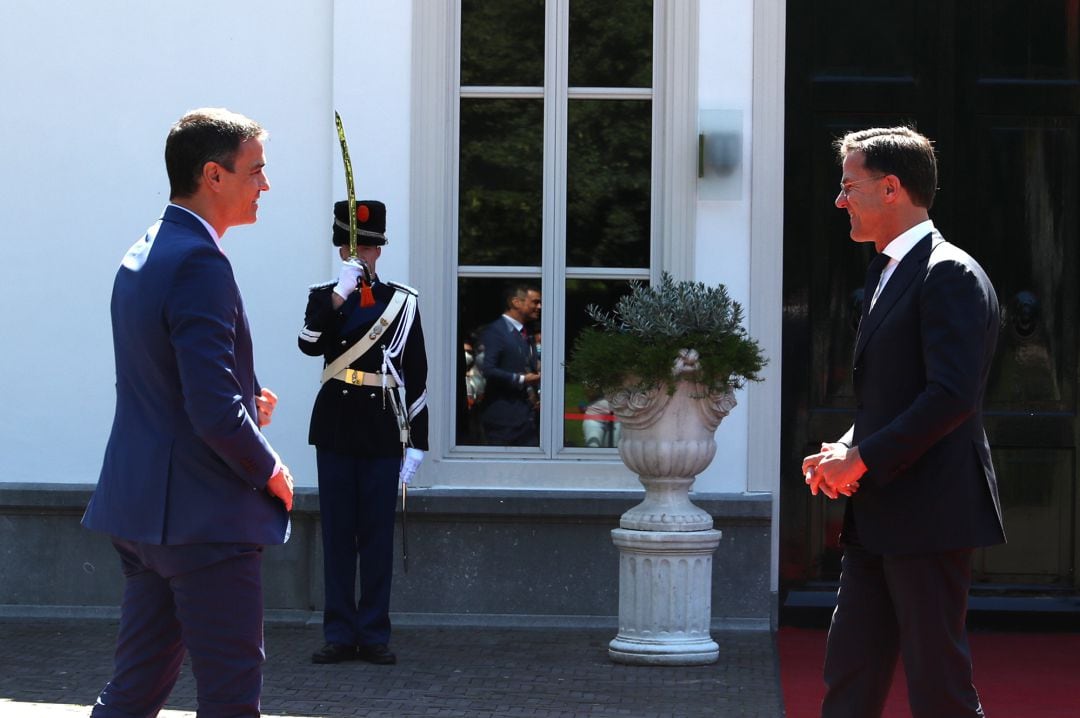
997,84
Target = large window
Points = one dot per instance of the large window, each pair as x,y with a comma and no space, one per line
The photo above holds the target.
554,196
554,147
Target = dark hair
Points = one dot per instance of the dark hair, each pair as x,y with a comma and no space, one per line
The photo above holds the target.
209,134
899,151
518,289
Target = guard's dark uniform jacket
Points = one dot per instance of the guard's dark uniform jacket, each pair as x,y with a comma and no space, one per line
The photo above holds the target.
360,420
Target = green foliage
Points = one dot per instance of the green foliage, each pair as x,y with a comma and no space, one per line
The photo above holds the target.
638,342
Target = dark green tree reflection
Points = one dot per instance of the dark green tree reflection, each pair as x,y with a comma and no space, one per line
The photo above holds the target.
502,42
502,154
608,159
610,43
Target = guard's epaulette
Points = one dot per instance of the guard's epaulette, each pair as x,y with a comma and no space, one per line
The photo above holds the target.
323,285
405,287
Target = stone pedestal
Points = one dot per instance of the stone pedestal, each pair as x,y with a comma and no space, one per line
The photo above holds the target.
665,542
665,598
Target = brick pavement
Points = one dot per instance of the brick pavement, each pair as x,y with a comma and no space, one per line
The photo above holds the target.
54,669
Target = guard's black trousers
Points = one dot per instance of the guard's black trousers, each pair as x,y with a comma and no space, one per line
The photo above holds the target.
357,500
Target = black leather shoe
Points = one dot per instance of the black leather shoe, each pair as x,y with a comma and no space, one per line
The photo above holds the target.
334,653
377,654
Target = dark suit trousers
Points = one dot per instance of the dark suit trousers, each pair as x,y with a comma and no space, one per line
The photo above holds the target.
357,498
913,606
205,598
507,422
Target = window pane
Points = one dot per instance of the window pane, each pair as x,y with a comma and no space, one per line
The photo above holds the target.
587,417
607,183
502,158
610,43
493,406
502,42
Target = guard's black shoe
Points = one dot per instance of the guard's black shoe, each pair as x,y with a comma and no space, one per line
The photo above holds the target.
377,654
334,653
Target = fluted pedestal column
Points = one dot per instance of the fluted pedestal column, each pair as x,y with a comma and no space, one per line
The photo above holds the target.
666,543
665,598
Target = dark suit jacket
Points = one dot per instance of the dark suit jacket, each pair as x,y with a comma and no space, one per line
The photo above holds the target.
185,462
507,409
920,368
357,420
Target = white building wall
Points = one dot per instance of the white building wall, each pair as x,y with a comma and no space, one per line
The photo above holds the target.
89,91
722,248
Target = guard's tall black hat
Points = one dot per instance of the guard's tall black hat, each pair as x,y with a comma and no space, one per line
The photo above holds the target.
370,223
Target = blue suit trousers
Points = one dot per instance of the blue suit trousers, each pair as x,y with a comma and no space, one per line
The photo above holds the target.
205,599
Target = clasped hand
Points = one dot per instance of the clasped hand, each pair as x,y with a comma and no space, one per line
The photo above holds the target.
834,471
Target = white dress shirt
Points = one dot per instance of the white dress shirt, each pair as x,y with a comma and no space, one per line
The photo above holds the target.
897,250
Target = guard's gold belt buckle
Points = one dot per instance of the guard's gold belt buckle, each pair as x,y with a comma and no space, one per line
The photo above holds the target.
355,377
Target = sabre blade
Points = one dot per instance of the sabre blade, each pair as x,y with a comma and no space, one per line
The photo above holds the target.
350,188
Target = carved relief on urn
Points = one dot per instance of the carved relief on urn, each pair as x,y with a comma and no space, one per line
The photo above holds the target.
667,439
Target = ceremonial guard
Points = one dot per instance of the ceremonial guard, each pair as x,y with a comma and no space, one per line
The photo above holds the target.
369,427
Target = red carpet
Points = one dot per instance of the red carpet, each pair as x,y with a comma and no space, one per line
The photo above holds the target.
1018,675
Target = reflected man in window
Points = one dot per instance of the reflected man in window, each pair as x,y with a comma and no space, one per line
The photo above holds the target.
512,372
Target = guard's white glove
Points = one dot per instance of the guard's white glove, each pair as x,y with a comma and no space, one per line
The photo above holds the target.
409,464
348,278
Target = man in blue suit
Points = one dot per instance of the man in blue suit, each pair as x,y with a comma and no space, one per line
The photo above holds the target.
190,490
916,462
511,370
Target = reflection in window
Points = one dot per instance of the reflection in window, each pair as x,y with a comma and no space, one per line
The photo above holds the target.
498,393
501,182
587,417
607,183
610,43
502,42
555,190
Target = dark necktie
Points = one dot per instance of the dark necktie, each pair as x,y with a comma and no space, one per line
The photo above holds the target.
873,276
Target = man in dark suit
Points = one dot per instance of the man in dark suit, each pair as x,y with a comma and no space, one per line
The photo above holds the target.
369,427
916,463
190,490
511,371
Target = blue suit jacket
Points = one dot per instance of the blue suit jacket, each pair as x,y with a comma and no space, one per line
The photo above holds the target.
507,409
921,363
186,462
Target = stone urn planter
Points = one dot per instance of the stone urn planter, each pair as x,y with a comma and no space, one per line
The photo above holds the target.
666,543
668,358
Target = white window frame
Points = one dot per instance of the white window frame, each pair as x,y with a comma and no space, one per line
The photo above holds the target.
433,228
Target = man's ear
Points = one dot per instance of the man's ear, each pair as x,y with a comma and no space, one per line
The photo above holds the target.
892,188
211,175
